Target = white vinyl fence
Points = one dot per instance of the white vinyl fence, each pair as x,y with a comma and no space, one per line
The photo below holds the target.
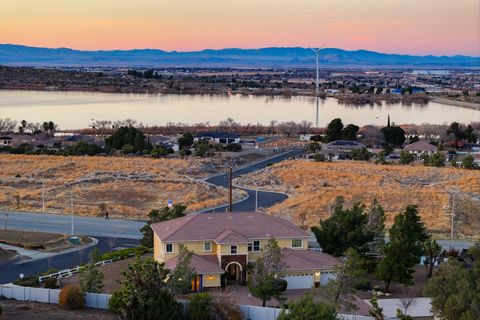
100,301
92,300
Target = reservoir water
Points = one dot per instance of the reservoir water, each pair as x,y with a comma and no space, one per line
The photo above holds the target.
76,110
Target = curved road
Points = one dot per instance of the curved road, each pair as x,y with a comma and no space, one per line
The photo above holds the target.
265,198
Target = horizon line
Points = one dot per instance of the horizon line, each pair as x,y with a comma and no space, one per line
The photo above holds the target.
237,48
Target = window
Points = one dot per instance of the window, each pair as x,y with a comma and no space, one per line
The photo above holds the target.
233,249
207,247
254,246
169,247
297,243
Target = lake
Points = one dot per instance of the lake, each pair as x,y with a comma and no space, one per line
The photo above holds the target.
75,110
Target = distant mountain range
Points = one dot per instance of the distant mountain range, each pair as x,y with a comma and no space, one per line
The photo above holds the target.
274,57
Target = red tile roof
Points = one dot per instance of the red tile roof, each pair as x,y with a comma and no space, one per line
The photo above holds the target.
210,226
297,260
203,264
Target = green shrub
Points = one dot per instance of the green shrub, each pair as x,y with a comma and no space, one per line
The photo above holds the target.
30,281
199,307
363,285
50,283
71,298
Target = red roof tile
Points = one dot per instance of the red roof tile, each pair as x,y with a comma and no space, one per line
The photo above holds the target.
209,226
203,264
296,260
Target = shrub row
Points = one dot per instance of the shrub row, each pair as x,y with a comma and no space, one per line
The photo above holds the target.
125,253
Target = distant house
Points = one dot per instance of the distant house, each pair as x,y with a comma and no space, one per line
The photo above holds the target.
223,245
342,148
6,141
420,148
218,137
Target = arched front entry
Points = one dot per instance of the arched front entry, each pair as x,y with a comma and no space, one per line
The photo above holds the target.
234,273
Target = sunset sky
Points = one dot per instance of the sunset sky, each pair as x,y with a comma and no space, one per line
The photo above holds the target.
409,26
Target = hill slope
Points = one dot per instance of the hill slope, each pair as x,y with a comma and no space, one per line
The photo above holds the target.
253,58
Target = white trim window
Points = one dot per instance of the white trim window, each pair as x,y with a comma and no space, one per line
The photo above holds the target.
233,249
168,247
297,243
254,246
207,247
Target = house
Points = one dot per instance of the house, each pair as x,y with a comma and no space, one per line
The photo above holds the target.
6,141
224,243
342,148
420,148
218,137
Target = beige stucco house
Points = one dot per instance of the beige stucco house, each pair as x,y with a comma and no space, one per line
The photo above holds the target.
224,243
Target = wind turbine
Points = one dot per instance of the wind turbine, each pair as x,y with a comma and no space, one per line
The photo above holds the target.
317,54
317,82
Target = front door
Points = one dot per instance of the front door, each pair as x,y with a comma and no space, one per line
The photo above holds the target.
233,273
197,283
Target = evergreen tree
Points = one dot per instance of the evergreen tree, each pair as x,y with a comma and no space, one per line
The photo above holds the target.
266,276
180,279
403,251
91,278
346,228
340,292
144,294
307,309
154,216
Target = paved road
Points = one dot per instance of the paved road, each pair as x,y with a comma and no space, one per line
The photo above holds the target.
10,272
265,199
91,226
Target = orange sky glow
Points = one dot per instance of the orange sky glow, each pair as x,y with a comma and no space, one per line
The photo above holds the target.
439,27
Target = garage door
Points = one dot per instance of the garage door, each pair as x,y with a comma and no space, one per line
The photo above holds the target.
301,281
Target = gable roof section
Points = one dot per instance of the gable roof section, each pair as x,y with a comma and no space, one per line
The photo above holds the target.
225,227
228,236
202,264
420,146
296,260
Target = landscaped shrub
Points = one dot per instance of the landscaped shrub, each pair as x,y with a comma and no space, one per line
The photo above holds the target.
200,307
71,298
125,253
222,308
50,283
30,281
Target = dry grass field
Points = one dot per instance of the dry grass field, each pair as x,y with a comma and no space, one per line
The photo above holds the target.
129,187
313,187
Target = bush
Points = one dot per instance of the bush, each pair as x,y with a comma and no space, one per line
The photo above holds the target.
50,283
363,285
30,281
71,298
233,147
199,308
222,308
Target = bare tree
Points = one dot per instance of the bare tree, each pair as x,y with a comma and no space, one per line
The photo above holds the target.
101,126
111,243
408,300
7,125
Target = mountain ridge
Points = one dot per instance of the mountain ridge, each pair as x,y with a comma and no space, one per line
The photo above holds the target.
268,57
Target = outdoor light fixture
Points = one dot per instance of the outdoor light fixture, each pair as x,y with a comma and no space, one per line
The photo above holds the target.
210,277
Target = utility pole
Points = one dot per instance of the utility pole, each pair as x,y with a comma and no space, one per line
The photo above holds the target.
453,217
256,198
71,210
43,193
230,198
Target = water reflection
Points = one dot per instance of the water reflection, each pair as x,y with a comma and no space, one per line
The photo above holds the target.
75,110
